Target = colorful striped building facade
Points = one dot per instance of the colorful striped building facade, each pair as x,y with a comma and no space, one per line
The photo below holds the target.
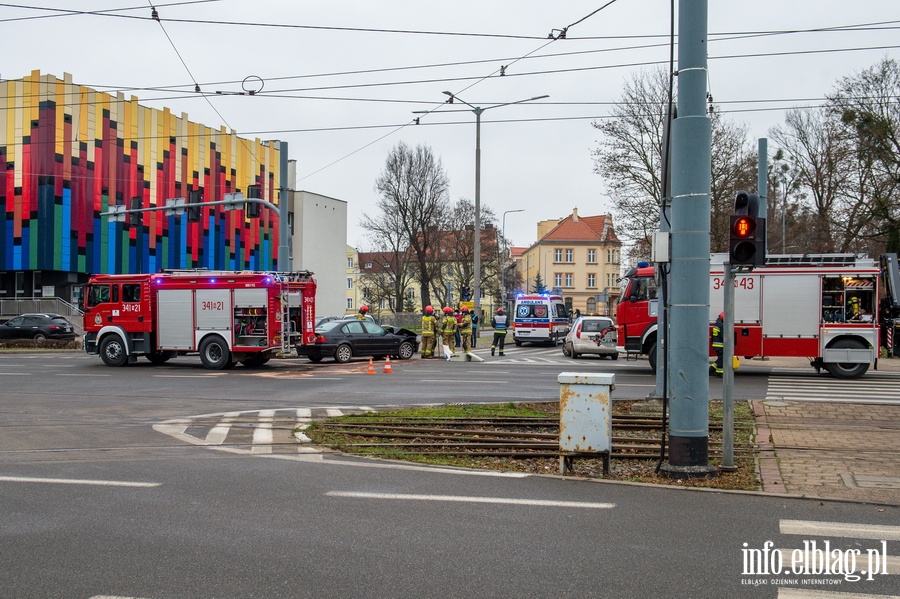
71,152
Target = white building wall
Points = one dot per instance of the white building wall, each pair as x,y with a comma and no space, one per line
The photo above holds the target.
320,245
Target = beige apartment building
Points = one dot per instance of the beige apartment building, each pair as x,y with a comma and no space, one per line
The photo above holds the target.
578,257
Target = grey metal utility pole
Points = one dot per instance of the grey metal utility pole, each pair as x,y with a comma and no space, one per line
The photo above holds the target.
689,326
285,262
476,287
502,260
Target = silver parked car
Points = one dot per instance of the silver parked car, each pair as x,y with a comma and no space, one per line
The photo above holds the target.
591,335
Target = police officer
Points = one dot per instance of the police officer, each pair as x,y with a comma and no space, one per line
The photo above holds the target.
448,330
718,345
465,330
363,310
429,327
498,323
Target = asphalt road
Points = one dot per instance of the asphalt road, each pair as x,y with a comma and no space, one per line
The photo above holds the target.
96,502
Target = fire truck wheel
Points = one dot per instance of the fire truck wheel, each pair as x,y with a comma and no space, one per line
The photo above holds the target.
651,356
214,353
112,351
343,354
846,370
406,350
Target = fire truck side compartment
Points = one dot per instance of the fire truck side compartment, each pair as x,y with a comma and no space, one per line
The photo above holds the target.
175,318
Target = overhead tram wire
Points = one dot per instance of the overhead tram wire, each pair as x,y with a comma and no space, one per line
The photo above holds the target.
416,121
67,12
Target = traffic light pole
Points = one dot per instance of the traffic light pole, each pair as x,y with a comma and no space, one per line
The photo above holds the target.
728,374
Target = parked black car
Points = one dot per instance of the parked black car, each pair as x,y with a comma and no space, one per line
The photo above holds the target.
345,339
38,327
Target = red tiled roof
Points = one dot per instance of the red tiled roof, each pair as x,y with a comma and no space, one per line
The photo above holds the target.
586,228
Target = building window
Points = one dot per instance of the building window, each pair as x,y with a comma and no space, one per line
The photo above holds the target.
612,256
592,280
557,280
569,257
349,261
592,256
611,280
369,265
350,303
568,279
349,283
557,255
591,305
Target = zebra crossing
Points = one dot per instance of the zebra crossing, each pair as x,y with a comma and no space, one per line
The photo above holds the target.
253,432
875,388
843,555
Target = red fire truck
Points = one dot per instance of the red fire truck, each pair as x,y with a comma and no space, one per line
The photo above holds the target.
226,317
824,307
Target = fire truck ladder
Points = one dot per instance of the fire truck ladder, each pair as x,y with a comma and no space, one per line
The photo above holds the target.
891,307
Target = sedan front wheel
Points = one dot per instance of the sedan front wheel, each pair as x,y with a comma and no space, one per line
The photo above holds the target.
343,354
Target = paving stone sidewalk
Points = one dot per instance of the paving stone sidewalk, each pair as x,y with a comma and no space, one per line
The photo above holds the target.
831,450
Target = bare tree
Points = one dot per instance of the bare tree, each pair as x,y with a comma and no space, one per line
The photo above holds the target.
818,147
391,278
867,103
413,187
629,158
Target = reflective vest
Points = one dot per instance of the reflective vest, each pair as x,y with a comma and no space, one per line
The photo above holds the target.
448,324
499,323
717,338
465,327
428,325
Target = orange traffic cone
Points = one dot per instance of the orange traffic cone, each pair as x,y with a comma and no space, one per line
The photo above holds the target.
371,369
387,366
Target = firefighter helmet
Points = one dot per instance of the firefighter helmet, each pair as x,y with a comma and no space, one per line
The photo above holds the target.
499,310
429,310
464,309
363,309
448,310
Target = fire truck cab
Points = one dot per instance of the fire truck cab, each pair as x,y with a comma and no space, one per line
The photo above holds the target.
823,307
226,317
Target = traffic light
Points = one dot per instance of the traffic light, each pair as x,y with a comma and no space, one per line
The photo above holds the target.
134,218
195,197
747,232
253,192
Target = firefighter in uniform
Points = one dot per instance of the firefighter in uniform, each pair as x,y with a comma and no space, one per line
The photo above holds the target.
448,330
429,327
363,310
718,345
498,323
465,330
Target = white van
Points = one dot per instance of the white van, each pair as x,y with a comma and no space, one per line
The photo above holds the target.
540,319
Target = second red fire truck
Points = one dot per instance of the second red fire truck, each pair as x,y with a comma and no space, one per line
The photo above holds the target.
824,307
227,317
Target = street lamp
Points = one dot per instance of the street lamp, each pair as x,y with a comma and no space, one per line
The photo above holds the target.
501,258
478,110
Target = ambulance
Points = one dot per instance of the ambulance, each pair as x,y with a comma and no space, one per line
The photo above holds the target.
540,318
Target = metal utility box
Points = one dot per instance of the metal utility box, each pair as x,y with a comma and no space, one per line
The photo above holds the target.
585,417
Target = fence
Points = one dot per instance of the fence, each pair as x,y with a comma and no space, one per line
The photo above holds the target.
26,305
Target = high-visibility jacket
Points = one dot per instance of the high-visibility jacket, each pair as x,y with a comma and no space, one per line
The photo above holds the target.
498,323
717,338
448,324
465,327
429,324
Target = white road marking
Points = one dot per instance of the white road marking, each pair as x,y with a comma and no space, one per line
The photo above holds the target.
333,412
218,433
75,481
839,529
464,499
262,435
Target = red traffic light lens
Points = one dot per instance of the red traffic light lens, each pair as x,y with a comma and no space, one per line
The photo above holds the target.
743,227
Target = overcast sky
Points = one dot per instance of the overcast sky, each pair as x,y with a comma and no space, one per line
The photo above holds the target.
341,80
